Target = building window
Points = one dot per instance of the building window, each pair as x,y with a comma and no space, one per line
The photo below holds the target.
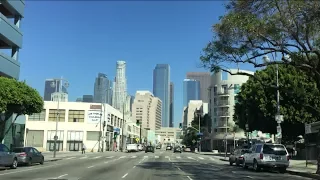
92,135
38,116
236,88
53,115
76,116
224,89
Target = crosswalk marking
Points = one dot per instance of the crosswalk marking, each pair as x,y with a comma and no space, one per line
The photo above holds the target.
84,157
178,157
190,158
167,157
156,157
200,157
109,157
97,157
71,157
133,156
122,157
145,156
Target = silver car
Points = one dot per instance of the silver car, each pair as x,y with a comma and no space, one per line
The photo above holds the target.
7,158
28,155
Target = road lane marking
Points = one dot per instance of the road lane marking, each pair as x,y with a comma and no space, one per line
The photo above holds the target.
133,156
249,177
201,158
71,158
97,157
178,157
106,162
145,156
62,176
134,166
84,157
122,157
109,157
28,169
124,175
167,157
190,158
90,167
156,157
189,177
179,168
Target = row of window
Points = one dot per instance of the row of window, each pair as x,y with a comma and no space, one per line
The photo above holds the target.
224,89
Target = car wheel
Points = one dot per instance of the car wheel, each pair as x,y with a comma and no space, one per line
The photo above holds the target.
256,166
29,162
237,162
244,164
230,163
42,161
14,164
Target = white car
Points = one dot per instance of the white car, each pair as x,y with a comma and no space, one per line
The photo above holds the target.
267,155
132,147
140,147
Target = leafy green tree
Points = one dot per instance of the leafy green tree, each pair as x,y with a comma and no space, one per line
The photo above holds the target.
298,98
251,29
17,98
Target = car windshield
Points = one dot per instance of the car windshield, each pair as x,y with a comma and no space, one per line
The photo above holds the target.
274,149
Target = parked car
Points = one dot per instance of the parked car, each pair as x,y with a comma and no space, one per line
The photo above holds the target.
158,146
7,157
149,149
169,148
28,155
267,155
132,148
140,147
237,156
177,149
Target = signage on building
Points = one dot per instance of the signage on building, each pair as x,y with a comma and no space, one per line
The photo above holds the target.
95,106
116,130
93,116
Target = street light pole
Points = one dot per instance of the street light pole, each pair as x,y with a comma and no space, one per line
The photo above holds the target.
278,106
57,90
199,134
123,124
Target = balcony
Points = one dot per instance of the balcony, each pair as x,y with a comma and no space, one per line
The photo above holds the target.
10,34
9,67
223,113
12,7
222,103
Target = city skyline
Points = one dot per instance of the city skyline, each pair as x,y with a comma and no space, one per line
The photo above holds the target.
102,89
119,97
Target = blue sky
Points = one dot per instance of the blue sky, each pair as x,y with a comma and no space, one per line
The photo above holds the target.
79,39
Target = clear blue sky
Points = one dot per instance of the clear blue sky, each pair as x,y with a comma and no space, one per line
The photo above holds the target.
79,39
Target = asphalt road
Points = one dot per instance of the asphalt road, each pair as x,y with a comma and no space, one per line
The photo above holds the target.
161,165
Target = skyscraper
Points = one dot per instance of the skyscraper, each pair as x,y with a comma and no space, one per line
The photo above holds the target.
120,86
161,89
205,81
171,122
87,98
102,89
48,90
191,91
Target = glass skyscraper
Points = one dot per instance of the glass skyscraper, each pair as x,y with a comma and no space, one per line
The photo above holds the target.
102,89
191,91
161,89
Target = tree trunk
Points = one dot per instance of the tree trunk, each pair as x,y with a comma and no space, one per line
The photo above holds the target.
318,151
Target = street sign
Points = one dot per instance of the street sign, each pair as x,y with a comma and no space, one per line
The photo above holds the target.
137,139
194,141
200,134
307,128
279,118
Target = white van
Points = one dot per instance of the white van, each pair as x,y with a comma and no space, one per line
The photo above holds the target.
132,148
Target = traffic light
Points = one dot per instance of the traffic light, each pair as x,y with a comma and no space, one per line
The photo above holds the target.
115,134
180,125
138,123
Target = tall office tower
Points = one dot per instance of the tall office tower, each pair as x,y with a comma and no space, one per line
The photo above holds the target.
48,89
87,98
171,122
191,91
205,81
102,89
147,109
119,98
161,89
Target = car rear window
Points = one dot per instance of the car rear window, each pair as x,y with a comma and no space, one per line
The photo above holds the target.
274,149
18,150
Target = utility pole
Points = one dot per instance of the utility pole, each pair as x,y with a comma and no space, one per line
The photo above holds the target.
199,134
123,125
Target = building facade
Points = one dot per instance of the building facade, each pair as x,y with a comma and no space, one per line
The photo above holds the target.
11,14
78,123
223,91
161,89
59,96
190,110
205,80
102,89
171,122
191,91
169,135
49,89
87,98
120,86
147,110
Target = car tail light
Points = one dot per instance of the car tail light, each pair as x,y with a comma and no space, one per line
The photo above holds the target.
288,158
241,157
261,156
22,154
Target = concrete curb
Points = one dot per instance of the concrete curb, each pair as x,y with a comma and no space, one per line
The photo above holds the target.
50,160
304,174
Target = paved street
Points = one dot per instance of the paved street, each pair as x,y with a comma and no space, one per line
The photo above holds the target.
139,166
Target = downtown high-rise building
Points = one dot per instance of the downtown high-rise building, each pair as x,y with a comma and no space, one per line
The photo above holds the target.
49,89
171,121
119,97
191,91
161,89
205,81
102,89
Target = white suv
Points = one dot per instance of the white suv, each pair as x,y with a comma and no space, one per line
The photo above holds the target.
267,155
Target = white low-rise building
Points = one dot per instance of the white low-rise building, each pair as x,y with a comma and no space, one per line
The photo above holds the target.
78,124
168,135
